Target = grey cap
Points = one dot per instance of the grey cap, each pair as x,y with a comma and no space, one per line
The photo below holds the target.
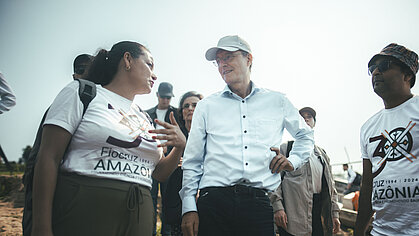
165,90
229,43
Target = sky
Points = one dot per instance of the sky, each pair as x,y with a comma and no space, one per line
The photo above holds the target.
316,52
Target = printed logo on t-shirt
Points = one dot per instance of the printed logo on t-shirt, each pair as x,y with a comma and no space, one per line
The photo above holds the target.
394,145
118,162
136,125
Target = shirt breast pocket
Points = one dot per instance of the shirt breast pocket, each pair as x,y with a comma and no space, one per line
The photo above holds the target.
266,131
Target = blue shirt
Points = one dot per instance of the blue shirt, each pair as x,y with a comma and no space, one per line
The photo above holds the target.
230,140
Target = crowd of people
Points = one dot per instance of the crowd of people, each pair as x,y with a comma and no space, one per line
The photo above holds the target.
217,161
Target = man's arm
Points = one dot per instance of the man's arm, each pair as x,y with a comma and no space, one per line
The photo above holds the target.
365,207
192,171
334,196
301,132
7,98
280,217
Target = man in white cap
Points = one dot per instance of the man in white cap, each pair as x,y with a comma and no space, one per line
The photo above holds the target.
235,134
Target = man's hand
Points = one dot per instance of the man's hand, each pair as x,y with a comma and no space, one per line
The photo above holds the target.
279,162
280,218
336,225
190,223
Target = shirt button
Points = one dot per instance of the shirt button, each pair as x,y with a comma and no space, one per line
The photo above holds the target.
245,131
245,147
242,101
247,163
244,116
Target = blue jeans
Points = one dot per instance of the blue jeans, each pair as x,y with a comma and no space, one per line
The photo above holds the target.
237,210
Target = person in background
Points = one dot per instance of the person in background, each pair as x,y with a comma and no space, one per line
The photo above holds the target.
93,174
234,134
7,101
172,202
353,180
81,66
162,111
390,147
310,187
80,71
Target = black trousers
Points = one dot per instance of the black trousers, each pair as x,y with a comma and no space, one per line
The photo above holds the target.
236,210
316,216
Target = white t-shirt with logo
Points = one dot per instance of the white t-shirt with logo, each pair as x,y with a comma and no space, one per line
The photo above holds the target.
112,139
390,140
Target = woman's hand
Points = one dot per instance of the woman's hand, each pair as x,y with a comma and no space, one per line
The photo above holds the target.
171,133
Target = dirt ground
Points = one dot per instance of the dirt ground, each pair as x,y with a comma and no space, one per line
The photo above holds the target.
11,205
10,219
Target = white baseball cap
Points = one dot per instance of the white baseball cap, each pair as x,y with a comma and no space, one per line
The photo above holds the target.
229,43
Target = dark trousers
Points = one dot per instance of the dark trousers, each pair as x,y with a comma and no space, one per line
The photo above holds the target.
165,228
86,206
236,210
316,213
353,188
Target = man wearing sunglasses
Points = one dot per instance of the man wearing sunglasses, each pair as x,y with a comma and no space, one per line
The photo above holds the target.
162,112
235,134
390,147
81,66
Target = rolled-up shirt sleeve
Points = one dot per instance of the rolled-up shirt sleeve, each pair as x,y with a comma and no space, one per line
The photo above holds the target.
301,132
193,160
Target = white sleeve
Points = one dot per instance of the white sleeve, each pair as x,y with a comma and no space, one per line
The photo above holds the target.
193,160
67,109
304,142
8,99
351,176
363,144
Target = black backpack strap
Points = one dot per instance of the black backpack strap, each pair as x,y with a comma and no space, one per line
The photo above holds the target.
87,91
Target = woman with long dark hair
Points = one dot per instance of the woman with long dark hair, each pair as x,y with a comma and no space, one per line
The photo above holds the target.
93,175
172,201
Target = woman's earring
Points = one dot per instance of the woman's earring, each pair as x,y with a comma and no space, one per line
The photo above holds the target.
128,67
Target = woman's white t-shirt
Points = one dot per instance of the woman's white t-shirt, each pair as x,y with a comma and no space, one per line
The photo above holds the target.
112,139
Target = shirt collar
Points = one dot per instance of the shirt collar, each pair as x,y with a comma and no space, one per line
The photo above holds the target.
227,91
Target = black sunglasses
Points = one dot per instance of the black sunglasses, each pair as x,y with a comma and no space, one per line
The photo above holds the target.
382,66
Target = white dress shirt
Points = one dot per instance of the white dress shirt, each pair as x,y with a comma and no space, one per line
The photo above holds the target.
230,140
8,99
351,176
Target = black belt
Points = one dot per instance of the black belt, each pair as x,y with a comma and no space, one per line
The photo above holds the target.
239,189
